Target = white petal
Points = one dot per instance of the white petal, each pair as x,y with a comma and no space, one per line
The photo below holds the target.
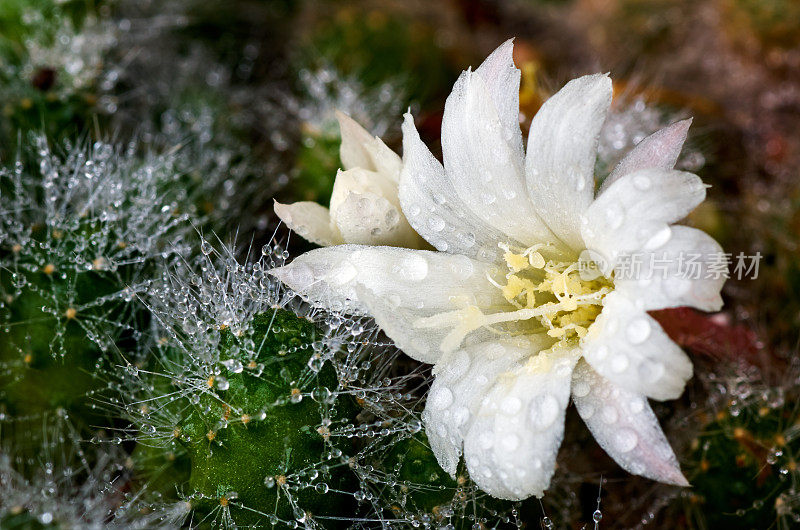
462,379
434,209
624,425
360,180
396,286
562,148
501,78
484,165
311,222
660,150
366,209
512,445
628,347
367,219
677,273
354,138
635,212
360,149
400,324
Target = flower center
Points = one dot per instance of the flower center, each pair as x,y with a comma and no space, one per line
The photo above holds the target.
543,296
565,304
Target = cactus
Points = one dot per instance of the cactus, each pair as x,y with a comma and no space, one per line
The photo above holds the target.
260,444
51,54
74,238
238,407
744,462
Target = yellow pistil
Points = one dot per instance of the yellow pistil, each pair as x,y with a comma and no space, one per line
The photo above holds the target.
544,296
573,302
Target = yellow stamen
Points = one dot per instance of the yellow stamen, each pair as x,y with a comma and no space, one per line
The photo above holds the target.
543,296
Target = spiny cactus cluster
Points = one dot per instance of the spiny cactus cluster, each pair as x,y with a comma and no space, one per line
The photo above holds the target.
76,232
745,469
51,66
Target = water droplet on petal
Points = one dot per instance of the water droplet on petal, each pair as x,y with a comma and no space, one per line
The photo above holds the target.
344,273
436,223
609,414
619,363
636,405
601,352
440,398
641,182
581,389
413,268
511,405
638,331
510,442
458,365
544,411
614,216
625,440
658,239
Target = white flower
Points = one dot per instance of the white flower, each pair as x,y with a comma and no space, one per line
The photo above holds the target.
501,309
364,207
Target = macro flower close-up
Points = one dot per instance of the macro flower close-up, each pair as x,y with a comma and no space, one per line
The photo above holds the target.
369,264
503,310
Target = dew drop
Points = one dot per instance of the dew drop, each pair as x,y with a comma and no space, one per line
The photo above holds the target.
659,239
619,363
440,398
614,216
581,389
414,268
609,414
343,274
511,405
436,223
636,405
510,442
544,411
638,331
625,440
641,182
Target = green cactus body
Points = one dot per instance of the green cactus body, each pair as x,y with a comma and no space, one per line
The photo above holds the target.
746,468
423,484
257,433
49,360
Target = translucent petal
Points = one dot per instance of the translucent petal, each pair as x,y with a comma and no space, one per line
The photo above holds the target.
624,425
501,78
512,445
660,150
462,379
435,210
484,165
311,222
562,147
678,273
359,149
366,210
635,212
628,347
396,286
